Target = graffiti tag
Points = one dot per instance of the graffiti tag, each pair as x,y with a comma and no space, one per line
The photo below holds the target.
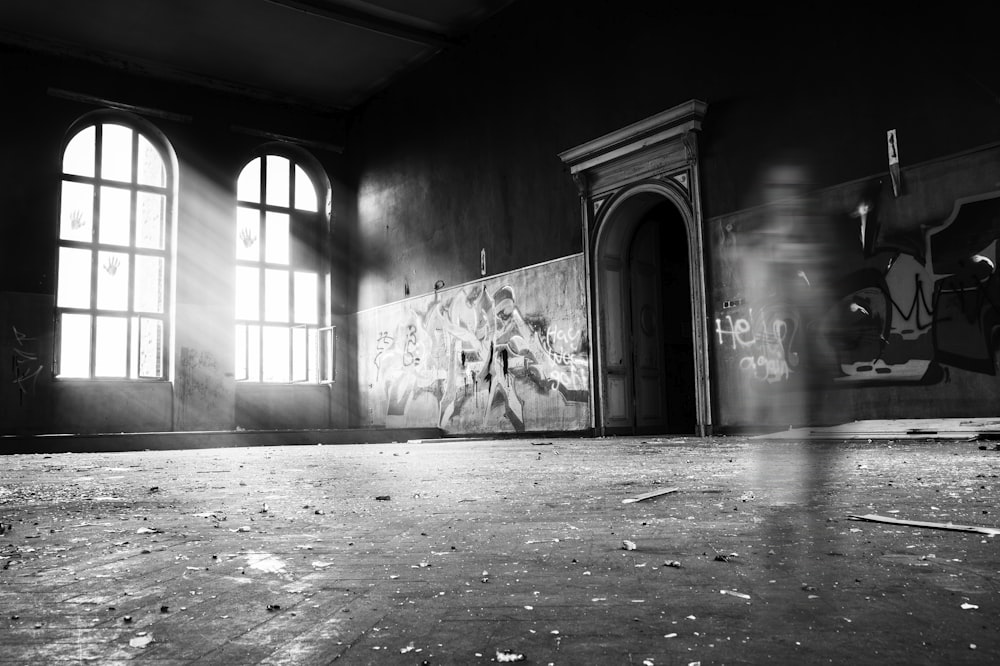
25,364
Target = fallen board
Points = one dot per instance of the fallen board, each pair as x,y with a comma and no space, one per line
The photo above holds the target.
871,517
650,495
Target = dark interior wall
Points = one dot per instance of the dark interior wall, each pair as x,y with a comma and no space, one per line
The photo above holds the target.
462,154
208,132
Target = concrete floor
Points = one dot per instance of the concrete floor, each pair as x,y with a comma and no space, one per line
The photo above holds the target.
476,552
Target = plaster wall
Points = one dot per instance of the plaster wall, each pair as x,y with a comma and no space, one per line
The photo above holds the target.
895,317
507,353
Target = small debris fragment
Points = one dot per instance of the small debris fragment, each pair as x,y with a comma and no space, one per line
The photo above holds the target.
141,641
265,508
146,530
273,607
967,606
735,594
127,618
382,498
506,656
628,545
649,495
672,563
164,609
725,557
991,531
408,648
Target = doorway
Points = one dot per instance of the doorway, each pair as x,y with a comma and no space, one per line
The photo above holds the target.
645,309
645,256
660,324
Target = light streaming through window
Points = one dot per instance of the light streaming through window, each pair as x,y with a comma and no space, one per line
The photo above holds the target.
112,302
279,304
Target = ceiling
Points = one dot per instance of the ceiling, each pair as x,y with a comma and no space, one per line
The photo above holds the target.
330,55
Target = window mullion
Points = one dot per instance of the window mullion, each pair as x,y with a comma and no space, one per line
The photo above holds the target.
94,252
133,235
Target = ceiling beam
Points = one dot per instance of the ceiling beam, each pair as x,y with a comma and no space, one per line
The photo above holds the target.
369,21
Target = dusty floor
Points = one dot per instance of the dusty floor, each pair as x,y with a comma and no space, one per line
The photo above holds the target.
481,552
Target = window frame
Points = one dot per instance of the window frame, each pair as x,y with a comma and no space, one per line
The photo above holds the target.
320,344
132,315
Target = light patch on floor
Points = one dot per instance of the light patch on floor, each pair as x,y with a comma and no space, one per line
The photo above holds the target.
265,562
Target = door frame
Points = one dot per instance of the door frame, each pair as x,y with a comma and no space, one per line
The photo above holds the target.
620,176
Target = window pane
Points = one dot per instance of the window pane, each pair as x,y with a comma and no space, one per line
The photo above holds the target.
151,213
150,347
151,169
305,191
278,176
111,347
240,349
248,185
247,234
148,284
299,354
76,216
116,204
78,159
277,241
116,153
112,281
275,354
74,278
253,353
313,351
74,345
329,354
247,292
305,298
275,295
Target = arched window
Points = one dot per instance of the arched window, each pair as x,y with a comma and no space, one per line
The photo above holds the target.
115,212
281,276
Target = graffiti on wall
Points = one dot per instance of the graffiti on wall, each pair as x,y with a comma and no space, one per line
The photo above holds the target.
898,310
765,339
477,351
24,363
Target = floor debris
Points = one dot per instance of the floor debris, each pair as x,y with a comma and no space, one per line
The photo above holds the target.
871,517
734,593
506,656
649,495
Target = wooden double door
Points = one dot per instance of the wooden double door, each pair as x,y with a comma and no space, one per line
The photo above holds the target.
649,357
